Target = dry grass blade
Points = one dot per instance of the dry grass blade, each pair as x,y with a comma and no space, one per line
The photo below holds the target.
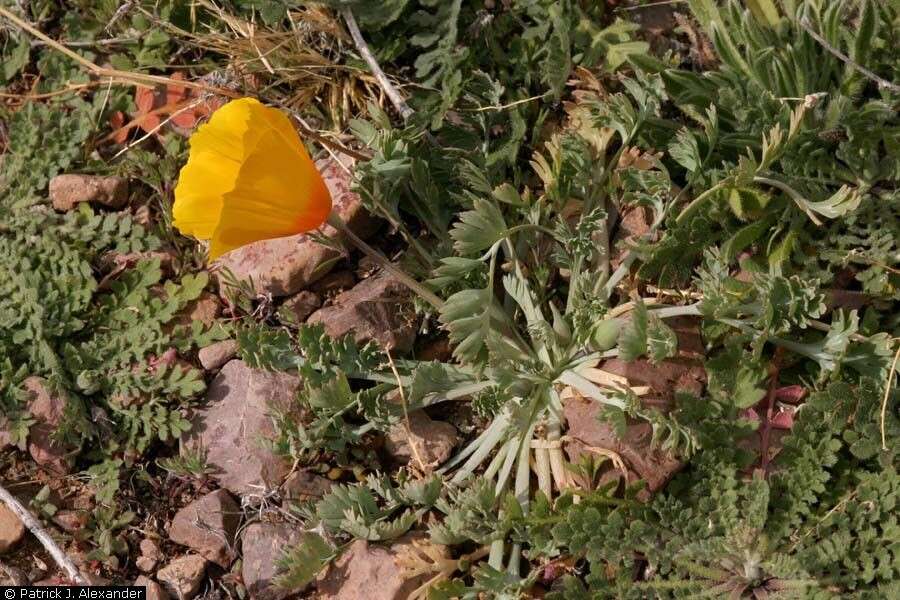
115,75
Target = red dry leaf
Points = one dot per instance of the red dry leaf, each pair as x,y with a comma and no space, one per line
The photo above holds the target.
116,121
161,104
792,394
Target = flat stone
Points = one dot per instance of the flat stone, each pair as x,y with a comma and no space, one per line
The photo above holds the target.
154,590
261,545
183,576
48,409
683,372
433,441
374,568
68,190
12,530
284,266
377,309
235,423
207,526
217,354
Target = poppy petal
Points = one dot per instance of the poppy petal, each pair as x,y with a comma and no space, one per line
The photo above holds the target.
278,193
217,150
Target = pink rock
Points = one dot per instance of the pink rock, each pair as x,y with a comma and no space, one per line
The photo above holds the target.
433,441
48,409
261,546
68,190
154,590
370,571
11,529
284,266
643,461
377,309
183,576
217,354
207,526
235,423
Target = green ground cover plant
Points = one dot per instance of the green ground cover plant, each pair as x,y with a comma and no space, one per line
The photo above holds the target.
757,143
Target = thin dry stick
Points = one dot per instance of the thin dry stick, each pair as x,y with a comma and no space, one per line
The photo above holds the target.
41,534
409,435
882,82
335,221
121,76
71,88
887,394
383,81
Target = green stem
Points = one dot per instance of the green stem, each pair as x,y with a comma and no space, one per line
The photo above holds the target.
335,221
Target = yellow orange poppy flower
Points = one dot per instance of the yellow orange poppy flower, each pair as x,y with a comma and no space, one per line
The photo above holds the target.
248,178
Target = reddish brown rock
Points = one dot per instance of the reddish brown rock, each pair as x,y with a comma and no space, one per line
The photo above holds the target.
183,576
377,309
48,409
235,423
154,590
217,354
71,521
261,546
298,307
207,526
68,190
433,441
683,372
374,568
284,266
11,529
634,223
303,485
643,460
150,556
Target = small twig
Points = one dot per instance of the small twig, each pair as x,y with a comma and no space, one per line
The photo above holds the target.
41,534
71,88
383,81
409,433
426,294
882,82
887,394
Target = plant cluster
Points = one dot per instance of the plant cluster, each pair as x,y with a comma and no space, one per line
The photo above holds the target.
571,195
758,203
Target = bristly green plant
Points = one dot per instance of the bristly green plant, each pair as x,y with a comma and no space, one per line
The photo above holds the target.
762,196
